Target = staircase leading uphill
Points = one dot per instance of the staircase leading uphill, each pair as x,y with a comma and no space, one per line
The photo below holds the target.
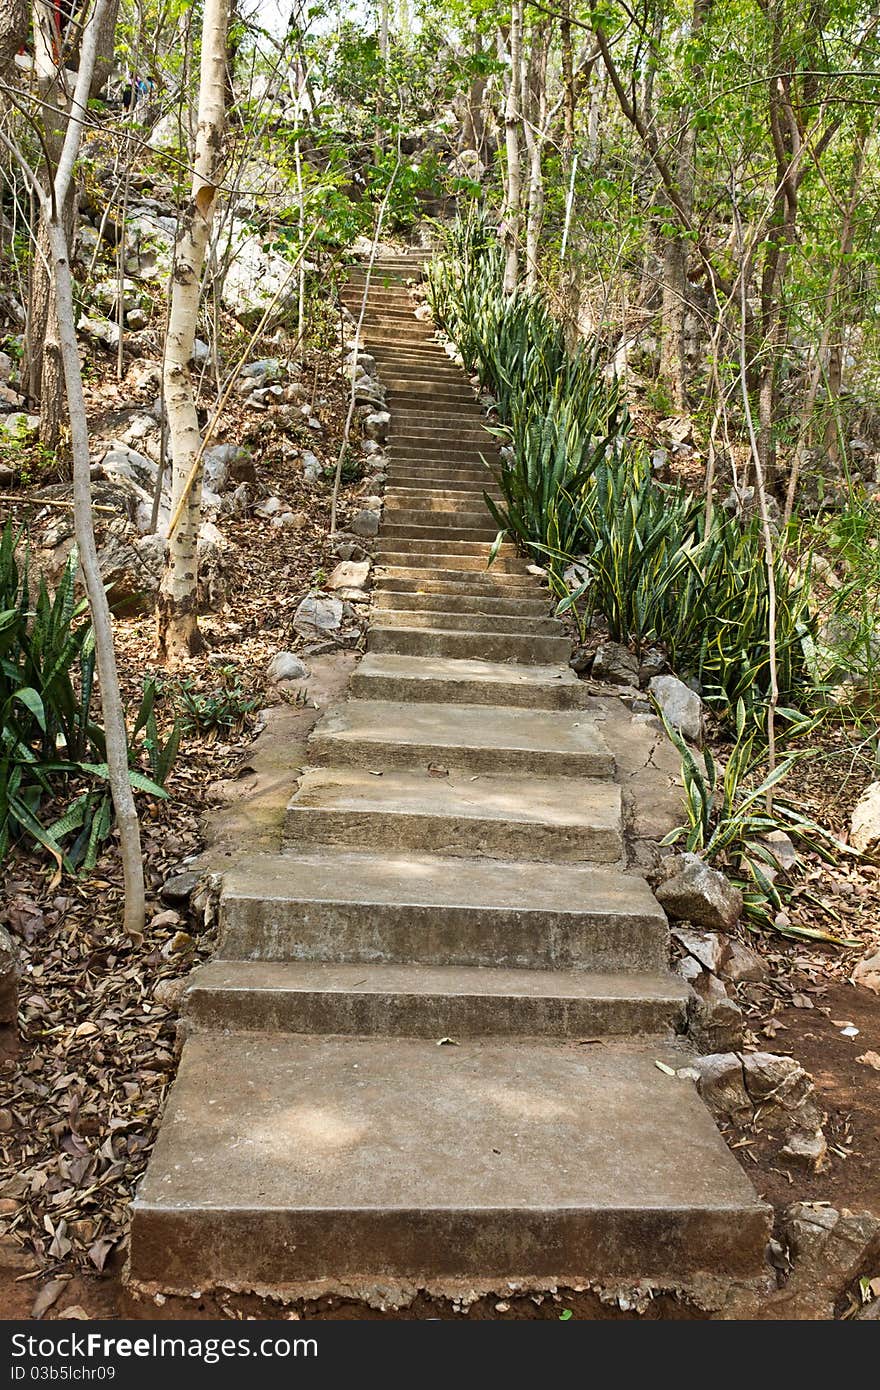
427,1049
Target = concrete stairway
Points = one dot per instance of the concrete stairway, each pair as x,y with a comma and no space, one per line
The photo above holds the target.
427,1049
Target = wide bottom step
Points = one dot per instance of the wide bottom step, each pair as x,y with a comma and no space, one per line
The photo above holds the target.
286,1161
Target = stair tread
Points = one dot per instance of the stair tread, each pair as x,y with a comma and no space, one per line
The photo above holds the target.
460,728
559,801
331,1125
282,976
330,875
457,668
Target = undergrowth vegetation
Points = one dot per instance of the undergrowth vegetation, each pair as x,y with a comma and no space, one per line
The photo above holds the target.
52,749
579,495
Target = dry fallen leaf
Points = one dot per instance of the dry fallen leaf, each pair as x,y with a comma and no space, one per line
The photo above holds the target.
49,1294
870,1059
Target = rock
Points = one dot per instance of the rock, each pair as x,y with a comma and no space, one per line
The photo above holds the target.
312,467
8,978
6,365
615,663
781,1090
257,278
286,666
131,567
782,848
366,523
706,947
809,1149
828,1250
714,1019
867,973
316,616
169,993
372,448
377,424
224,461
681,706
349,574
364,361
694,892
865,825
19,425
581,661
120,461
101,331
741,963
653,663
266,372
719,1080
269,507
180,887
136,319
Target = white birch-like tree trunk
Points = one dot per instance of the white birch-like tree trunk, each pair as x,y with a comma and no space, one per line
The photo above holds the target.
513,174
177,608
53,199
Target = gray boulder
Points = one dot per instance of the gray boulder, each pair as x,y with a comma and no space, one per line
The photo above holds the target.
349,574
366,523
286,666
615,663
691,891
681,706
317,616
377,425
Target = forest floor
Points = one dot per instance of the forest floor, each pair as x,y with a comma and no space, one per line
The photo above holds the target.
86,1084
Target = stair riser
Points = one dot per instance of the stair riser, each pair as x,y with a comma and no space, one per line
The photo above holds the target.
259,1249
477,646
507,938
329,750
455,835
415,520
394,531
517,626
385,1014
463,604
408,579
442,547
441,565
464,692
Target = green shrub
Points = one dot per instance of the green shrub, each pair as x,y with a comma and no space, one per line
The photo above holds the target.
50,747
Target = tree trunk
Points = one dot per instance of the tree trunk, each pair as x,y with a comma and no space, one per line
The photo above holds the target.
111,702
177,618
534,102
513,201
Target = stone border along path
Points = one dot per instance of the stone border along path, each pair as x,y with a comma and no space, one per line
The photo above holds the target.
425,1055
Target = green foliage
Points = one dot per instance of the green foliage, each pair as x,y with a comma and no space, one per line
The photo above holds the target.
49,743
577,490
732,811
223,709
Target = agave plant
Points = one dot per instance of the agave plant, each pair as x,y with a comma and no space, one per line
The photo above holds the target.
731,813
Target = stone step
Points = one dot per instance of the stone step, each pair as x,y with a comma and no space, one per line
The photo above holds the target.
443,547
431,521
530,650
289,1162
340,905
445,432
409,529
424,503
457,490
383,734
550,819
398,564
464,605
434,680
410,470
418,1001
448,456
412,579
520,624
